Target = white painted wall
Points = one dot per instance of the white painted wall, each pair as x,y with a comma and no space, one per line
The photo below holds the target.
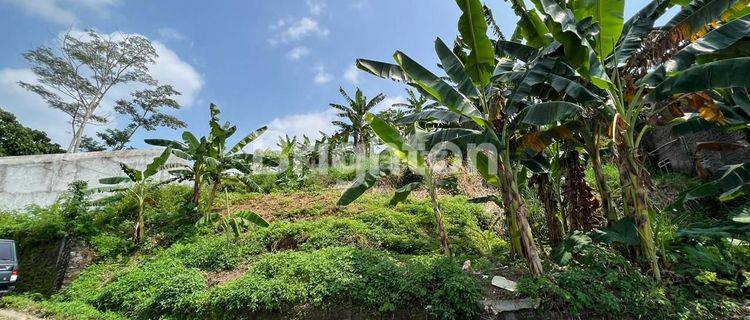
40,180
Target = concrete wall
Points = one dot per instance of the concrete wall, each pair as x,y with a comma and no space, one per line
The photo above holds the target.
41,179
674,152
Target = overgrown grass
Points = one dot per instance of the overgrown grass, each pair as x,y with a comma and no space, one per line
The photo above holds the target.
602,283
368,257
57,310
369,279
317,260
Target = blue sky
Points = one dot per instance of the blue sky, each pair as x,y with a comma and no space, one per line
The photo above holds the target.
276,63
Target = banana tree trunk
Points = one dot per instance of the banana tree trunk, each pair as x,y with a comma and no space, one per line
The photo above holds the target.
549,204
438,215
140,232
196,198
635,195
605,194
513,232
517,209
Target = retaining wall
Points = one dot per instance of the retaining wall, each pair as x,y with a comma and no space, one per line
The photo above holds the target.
41,179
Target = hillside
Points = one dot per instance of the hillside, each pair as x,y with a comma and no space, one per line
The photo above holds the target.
319,260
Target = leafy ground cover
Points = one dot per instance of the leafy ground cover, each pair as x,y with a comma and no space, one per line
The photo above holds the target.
316,260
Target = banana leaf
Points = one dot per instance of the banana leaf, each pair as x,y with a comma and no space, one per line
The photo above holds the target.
383,70
636,29
158,162
546,113
247,139
694,20
473,29
487,169
608,15
578,51
552,72
114,180
253,218
166,143
396,143
515,50
455,69
729,183
720,74
715,41
433,115
403,192
439,89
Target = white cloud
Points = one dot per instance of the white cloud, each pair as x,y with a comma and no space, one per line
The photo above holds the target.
99,5
297,53
309,124
171,69
352,74
171,34
316,7
387,103
62,11
29,108
32,111
359,4
286,31
321,76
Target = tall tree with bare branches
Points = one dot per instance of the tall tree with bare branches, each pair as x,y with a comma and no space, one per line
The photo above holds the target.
76,77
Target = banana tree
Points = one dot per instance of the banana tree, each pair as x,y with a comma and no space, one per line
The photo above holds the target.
649,70
541,74
228,160
138,185
211,159
410,152
234,223
469,94
196,152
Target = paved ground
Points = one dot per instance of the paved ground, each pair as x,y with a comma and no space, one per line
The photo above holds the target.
6,314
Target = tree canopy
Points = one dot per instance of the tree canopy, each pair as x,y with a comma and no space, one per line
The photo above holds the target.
18,140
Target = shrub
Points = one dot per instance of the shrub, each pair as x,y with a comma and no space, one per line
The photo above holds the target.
207,253
88,285
169,217
37,232
464,224
36,226
342,173
383,228
110,247
604,283
367,278
266,181
156,288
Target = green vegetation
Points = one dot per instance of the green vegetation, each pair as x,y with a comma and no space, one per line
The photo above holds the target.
562,198
376,259
17,140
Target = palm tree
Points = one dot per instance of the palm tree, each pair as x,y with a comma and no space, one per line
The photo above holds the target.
415,104
354,112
